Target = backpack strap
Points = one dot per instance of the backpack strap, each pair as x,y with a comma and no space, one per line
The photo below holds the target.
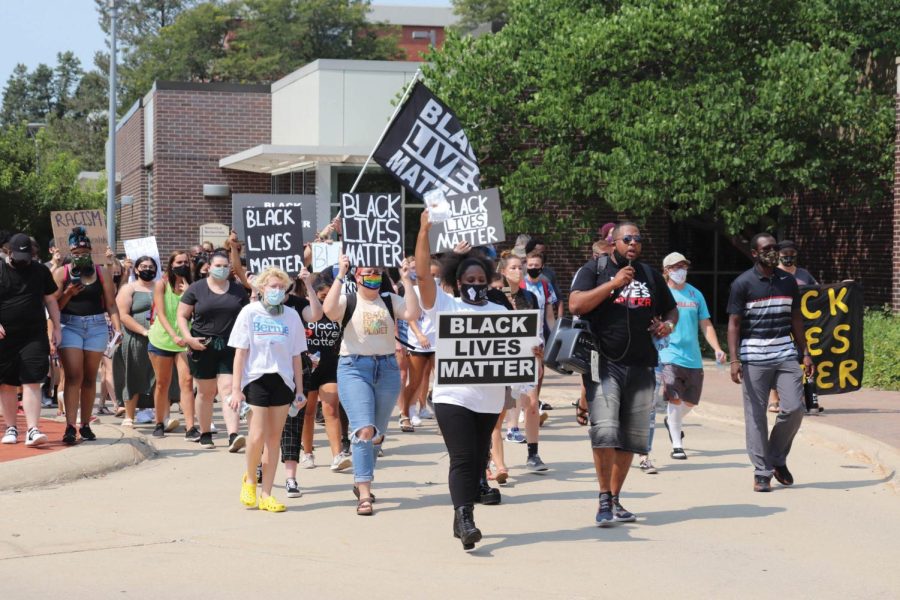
349,310
389,304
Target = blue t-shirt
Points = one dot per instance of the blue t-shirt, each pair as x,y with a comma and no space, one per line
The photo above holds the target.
684,342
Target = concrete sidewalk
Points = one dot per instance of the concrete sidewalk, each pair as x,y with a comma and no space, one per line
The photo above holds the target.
172,526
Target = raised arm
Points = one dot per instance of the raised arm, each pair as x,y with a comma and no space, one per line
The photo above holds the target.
427,288
332,305
412,312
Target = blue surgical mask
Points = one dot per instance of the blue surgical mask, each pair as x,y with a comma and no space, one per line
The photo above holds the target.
219,272
274,297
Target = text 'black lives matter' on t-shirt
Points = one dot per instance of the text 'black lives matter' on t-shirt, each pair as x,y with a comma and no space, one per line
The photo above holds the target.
214,314
22,297
322,336
620,323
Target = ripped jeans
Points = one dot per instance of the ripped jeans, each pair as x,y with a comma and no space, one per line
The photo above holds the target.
368,387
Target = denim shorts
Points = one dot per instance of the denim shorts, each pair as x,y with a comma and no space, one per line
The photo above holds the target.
90,333
619,406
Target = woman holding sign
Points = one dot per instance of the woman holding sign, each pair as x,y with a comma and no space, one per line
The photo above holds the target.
466,413
368,375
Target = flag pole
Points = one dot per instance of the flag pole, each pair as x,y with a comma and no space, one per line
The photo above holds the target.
400,104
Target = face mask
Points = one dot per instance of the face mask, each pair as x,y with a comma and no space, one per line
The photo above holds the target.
274,297
788,261
147,275
768,259
219,272
679,276
371,282
182,271
437,281
21,265
621,259
473,293
535,273
412,275
83,262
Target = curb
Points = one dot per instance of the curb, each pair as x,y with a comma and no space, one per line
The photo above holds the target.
114,449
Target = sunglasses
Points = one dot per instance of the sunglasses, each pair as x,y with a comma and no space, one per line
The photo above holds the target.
631,238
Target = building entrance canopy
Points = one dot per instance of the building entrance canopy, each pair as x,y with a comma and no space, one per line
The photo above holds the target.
275,160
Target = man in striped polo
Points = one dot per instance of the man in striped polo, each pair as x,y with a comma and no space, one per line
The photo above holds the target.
765,338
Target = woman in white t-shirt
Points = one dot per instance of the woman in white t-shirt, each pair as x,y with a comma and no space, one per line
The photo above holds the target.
368,375
466,414
268,373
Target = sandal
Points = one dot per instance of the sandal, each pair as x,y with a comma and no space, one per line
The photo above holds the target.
406,425
120,411
581,415
356,493
501,476
104,411
774,407
364,507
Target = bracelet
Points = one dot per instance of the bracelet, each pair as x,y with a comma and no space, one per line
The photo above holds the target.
734,361
340,278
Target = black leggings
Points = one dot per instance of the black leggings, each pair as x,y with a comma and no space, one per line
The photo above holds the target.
467,435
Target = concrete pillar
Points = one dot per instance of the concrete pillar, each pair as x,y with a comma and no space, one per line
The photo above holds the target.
895,292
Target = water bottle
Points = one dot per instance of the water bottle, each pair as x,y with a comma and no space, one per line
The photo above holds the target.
811,397
314,359
296,405
245,408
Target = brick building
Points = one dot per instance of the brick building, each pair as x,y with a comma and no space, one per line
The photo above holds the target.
420,26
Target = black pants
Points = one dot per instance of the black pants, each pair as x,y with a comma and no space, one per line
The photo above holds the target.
467,435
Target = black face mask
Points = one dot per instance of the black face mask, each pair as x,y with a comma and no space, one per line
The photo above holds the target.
535,273
788,261
21,265
182,271
146,275
473,293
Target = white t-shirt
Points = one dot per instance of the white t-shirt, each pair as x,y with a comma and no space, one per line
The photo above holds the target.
272,340
370,331
477,398
426,326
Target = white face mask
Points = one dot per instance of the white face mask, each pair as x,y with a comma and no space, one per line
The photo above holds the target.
679,276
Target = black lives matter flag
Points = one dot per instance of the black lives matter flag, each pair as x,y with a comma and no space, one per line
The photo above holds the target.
426,148
833,320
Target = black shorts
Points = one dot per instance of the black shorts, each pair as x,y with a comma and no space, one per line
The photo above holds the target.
217,359
24,357
326,372
267,391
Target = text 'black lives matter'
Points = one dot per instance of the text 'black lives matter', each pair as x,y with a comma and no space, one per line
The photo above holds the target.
274,238
487,348
426,148
474,218
372,229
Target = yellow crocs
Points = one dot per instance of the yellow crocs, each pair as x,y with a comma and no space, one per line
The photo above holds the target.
248,492
270,504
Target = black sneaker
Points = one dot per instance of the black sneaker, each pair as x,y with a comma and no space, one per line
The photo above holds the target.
69,435
292,488
320,418
605,516
489,496
86,433
620,515
235,442
545,406
535,464
159,431
783,476
259,474
678,454
761,483
206,441
192,434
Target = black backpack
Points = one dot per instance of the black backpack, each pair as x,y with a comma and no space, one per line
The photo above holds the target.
388,303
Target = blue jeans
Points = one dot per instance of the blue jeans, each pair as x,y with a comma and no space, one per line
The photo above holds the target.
368,387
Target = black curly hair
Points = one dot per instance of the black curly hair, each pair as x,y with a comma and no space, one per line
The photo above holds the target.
454,265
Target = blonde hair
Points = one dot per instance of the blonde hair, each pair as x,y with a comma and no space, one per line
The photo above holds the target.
260,281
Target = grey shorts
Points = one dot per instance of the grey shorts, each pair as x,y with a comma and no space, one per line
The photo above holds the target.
682,383
619,406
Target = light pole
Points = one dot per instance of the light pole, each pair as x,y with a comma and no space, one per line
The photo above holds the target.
111,157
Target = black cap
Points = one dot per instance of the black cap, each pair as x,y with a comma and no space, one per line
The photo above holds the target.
785,244
52,243
20,247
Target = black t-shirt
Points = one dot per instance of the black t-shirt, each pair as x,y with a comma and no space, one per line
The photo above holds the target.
214,314
322,336
618,328
22,296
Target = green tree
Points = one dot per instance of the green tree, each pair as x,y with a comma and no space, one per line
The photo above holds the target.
714,110
140,20
473,13
15,97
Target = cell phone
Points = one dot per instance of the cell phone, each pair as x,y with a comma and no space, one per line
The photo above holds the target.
75,278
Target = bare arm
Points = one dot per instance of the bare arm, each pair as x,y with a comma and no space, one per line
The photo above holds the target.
53,311
313,312
237,396
550,316
185,312
709,332
412,312
734,341
332,305
583,302
234,253
123,302
159,300
799,333
427,288
109,295
297,364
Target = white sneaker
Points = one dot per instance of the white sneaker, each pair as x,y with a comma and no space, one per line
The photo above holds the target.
212,428
415,420
307,460
425,413
172,424
11,436
35,438
341,461
521,417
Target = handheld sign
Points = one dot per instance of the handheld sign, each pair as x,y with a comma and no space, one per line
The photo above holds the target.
136,248
324,255
372,228
306,202
833,319
487,348
94,223
474,217
274,238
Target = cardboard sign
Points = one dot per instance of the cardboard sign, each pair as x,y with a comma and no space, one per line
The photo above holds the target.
215,233
94,223
833,319
274,238
487,348
307,204
139,247
324,255
474,218
373,229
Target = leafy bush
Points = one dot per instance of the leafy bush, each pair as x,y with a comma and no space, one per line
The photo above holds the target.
882,343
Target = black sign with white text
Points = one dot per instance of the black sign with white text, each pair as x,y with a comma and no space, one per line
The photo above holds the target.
487,348
306,202
372,229
273,238
475,218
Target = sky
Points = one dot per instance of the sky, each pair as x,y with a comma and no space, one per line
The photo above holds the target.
34,31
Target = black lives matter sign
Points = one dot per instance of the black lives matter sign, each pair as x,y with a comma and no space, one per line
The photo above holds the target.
372,229
426,148
474,218
833,323
273,237
487,348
